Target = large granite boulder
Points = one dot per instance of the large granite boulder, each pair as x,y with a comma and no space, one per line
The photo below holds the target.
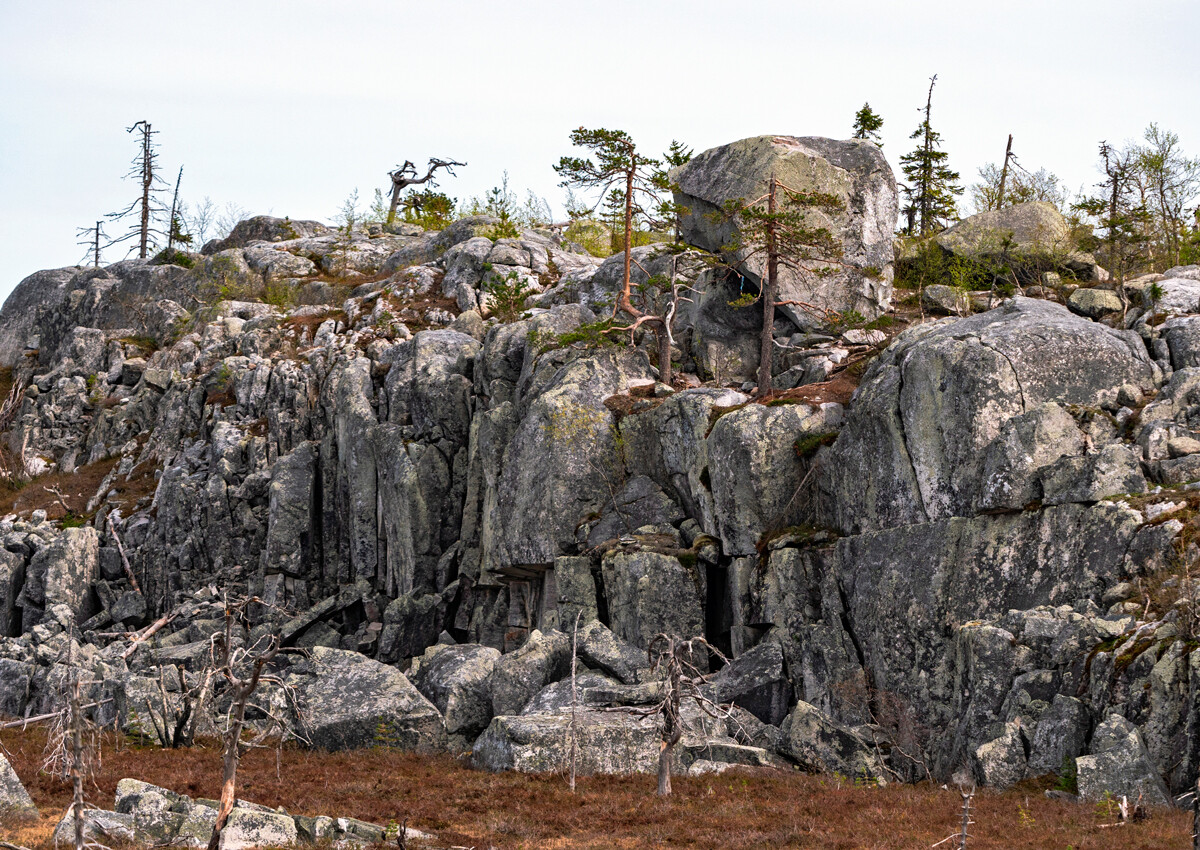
853,171
15,802
62,573
518,676
920,432
821,745
457,679
265,228
18,318
347,701
755,470
1034,228
606,743
1119,765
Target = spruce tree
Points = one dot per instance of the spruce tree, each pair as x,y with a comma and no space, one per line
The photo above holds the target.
931,185
867,125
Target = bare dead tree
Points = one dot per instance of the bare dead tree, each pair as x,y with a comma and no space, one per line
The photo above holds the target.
94,234
962,835
1008,155
574,699
175,725
674,660
406,175
147,206
72,748
242,669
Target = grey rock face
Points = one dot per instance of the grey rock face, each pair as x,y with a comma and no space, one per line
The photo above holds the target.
555,468
649,594
755,471
933,403
755,680
856,172
18,318
520,675
62,574
15,802
1095,303
1060,736
350,701
456,679
1120,765
820,744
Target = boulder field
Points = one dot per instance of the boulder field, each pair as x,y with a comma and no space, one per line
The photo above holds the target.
979,560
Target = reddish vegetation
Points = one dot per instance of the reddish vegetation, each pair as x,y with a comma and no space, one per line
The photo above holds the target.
762,809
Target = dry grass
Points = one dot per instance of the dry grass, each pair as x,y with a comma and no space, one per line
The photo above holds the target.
76,487
746,809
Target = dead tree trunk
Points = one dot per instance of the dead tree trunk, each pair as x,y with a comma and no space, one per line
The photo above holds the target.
77,755
1004,173
406,175
671,730
147,184
241,688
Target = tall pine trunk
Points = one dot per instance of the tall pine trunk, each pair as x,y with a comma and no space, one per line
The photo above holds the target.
770,294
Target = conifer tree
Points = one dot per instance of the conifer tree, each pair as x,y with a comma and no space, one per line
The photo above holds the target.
867,125
625,176
932,185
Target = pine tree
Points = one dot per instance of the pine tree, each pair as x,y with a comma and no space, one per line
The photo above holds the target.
867,125
623,175
931,185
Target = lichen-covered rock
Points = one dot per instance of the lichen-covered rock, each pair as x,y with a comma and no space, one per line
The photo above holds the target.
247,829
1119,765
62,573
819,744
1000,763
601,650
519,676
650,594
1034,228
607,743
944,300
930,407
755,680
1060,736
18,317
556,468
853,171
347,701
457,680
755,469
15,802
1095,303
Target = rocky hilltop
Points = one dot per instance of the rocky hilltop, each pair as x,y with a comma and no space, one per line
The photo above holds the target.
938,544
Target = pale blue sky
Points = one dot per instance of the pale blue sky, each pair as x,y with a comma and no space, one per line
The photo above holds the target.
288,106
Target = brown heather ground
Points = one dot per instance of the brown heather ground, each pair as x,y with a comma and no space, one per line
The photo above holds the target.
476,809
